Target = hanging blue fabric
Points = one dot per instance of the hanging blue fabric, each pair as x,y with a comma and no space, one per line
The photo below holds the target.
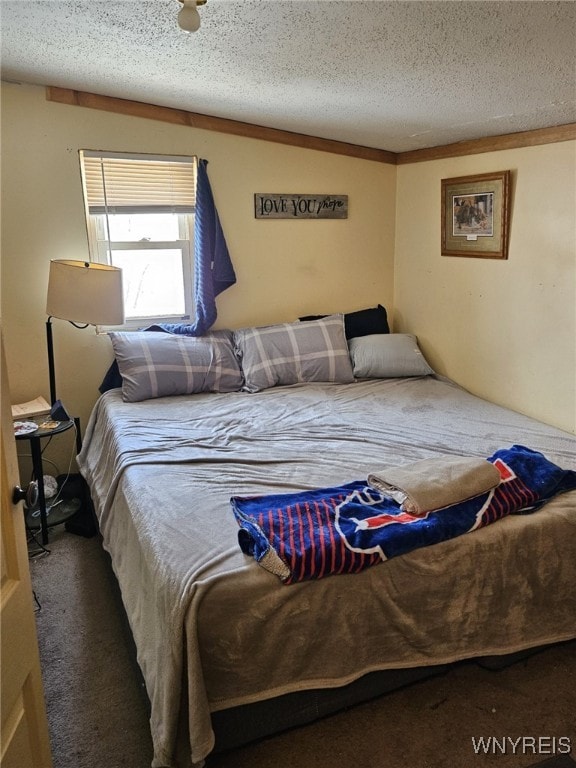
213,270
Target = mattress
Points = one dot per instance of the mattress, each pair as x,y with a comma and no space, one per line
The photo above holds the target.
214,630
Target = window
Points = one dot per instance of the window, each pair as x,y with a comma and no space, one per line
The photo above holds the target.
140,217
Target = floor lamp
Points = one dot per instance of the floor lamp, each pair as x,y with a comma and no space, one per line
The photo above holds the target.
83,293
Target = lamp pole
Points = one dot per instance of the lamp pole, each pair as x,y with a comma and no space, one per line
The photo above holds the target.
51,372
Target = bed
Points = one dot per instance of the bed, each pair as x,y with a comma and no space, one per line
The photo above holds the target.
218,636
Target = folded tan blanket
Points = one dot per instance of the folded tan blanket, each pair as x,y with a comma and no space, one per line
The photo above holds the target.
435,483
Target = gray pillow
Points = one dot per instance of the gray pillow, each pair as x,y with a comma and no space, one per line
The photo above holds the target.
387,355
160,364
291,353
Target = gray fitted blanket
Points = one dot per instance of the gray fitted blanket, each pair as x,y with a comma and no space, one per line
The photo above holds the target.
213,630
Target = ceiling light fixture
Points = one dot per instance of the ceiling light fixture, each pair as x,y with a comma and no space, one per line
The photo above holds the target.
189,18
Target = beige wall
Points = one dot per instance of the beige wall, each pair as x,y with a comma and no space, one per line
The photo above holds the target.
505,330
284,268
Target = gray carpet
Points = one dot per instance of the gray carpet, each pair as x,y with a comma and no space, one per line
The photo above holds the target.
561,761
97,709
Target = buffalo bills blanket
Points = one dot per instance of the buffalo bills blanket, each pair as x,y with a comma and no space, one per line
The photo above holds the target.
345,529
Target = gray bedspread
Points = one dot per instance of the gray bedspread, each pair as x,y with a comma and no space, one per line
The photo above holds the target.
214,630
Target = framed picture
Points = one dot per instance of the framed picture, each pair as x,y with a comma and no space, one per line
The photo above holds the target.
476,215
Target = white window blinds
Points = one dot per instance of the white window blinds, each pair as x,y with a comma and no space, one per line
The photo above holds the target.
116,183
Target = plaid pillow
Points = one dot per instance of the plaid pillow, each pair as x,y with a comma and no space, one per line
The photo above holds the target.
160,364
291,353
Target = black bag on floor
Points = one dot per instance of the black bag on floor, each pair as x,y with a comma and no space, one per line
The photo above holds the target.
83,522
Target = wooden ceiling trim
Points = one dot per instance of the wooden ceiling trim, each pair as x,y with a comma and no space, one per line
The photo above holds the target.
491,144
218,124
237,128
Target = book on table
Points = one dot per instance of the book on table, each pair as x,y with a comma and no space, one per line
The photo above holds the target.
37,407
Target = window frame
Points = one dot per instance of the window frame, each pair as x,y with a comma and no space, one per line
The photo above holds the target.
101,247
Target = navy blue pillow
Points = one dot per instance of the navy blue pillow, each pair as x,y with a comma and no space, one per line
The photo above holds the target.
112,379
364,322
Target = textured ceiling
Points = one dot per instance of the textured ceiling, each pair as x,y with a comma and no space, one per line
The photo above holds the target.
391,75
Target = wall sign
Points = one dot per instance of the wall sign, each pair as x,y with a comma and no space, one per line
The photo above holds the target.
268,206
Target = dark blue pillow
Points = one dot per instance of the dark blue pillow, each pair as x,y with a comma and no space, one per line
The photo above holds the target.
364,322
112,379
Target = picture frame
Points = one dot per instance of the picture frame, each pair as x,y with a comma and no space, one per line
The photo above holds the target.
476,215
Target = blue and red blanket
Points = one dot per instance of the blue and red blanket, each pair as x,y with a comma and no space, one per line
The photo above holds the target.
345,529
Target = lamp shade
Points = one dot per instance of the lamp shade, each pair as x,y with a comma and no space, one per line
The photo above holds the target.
85,292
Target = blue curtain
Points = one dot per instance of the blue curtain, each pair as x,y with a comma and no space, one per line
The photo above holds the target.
213,270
